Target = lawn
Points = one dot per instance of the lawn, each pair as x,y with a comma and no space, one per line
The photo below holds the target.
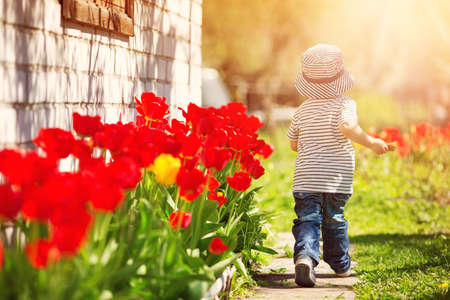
398,218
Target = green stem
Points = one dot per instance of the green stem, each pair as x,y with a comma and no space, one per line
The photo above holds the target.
163,258
102,232
177,197
233,206
196,234
233,164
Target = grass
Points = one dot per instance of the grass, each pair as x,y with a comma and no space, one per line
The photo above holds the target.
402,266
398,219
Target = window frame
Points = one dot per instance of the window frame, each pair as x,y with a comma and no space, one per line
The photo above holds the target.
89,12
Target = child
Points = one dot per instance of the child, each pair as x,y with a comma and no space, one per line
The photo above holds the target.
320,131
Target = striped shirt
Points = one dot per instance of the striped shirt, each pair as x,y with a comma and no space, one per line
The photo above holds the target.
326,159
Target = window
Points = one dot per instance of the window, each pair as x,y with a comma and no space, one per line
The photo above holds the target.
113,15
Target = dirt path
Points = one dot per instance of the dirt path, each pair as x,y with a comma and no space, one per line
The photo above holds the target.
276,281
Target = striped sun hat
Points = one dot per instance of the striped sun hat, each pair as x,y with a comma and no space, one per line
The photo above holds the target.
323,75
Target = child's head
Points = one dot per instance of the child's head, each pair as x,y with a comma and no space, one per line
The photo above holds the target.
323,75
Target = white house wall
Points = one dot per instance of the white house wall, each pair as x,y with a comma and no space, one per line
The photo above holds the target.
50,67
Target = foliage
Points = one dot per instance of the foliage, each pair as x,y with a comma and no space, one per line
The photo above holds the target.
254,39
152,211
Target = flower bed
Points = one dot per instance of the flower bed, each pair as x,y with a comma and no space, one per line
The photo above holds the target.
421,138
156,209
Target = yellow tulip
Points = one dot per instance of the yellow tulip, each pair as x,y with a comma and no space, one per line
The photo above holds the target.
166,167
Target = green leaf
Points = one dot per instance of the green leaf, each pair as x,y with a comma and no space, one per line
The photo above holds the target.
241,267
264,249
195,263
218,268
169,197
231,224
172,255
197,289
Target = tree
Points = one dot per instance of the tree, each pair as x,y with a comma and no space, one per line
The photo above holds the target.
256,41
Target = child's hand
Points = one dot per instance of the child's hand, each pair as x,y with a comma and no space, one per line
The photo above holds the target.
379,146
392,146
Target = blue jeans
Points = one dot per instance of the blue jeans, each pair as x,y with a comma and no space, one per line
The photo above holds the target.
326,209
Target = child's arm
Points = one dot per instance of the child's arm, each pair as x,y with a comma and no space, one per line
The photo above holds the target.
293,145
293,131
357,135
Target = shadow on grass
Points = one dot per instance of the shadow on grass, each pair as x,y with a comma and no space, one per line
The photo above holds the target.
395,237
430,249
402,265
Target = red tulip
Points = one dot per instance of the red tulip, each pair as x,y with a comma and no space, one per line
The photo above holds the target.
255,170
246,124
403,147
41,252
115,137
240,181
203,120
190,145
162,124
180,219
107,198
142,147
218,138
61,192
125,172
106,184
86,125
219,197
37,169
10,202
232,109
152,107
36,205
191,183
178,128
423,130
194,114
242,141
445,132
264,149
253,123
55,142
251,165
70,229
213,183
9,162
390,134
82,149
217,246
235,113
164,142
215,157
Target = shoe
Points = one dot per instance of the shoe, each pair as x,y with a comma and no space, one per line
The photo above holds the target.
344,274
304,271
